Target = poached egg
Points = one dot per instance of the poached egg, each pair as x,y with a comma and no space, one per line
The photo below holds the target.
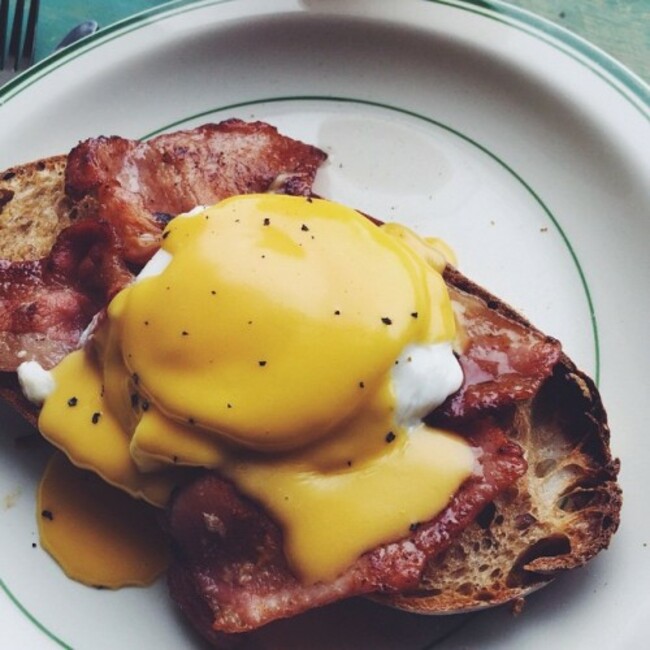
291,345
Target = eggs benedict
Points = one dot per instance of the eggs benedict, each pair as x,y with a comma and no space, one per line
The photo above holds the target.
293,346
268,517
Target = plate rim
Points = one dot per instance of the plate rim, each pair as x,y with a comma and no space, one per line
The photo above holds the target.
615,74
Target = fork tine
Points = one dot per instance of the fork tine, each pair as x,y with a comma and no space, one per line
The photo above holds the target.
27,55
4,27
16,33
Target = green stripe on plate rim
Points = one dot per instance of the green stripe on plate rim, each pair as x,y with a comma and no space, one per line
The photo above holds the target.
612,72
31,618
626,83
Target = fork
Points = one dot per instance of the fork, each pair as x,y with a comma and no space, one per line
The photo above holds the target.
19,54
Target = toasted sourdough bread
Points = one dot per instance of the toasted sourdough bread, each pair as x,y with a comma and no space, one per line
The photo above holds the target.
556,517
33,208
33,211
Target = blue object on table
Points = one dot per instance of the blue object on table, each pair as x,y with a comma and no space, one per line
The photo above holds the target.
86,28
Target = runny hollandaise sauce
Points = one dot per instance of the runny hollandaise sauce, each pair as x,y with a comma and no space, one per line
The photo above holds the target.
261,342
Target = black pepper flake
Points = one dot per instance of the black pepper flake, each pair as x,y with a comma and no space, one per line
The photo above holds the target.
267,221
33,544
145,405
184,333
72,401
349,463
47,514
191,421
304,227
414,314
95,417
146,322
361,385
414,526
135,400
213,292
101,392
165,234
175,459
390,436
262,363
337,312
162,218
386,321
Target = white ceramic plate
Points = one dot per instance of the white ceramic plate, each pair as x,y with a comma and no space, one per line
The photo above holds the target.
522,145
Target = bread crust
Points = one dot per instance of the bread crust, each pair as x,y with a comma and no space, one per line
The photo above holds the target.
560,514
556,517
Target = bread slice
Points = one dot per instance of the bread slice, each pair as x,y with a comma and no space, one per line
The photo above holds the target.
33,211
33,208
560,514
556,517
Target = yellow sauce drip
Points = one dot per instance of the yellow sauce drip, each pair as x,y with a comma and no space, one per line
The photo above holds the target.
99,535
331,518
76,419
264,350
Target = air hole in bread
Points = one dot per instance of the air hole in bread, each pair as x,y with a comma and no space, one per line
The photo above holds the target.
524,521
429,593
5,197
607,523
577,500
466,589
485,517
551,546
509,495
485,596
545,467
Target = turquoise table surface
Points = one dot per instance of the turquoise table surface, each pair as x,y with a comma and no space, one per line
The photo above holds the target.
619,27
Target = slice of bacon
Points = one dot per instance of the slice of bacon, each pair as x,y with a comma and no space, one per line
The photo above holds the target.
230,573
123,193
504,358
139,186
46,304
